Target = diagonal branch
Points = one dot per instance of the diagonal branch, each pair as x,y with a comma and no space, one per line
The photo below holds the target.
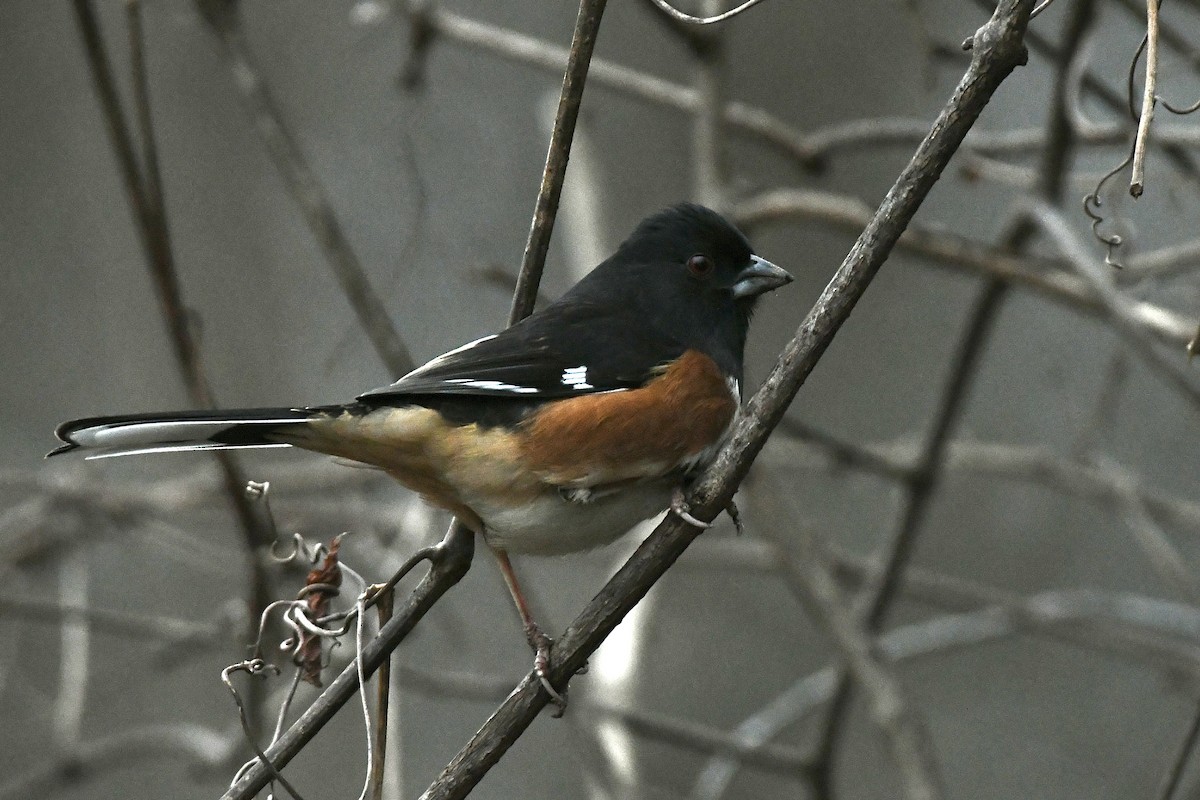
306,190
1120,309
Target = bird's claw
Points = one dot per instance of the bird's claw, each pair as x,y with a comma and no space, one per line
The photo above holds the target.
679,506
541,643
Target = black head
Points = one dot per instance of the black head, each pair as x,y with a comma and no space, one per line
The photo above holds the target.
692,276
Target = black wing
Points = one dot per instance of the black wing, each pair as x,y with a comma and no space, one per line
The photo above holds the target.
565,350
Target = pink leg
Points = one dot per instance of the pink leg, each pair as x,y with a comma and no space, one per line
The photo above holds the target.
538,640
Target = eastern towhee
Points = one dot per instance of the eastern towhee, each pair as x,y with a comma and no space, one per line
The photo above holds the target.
557,434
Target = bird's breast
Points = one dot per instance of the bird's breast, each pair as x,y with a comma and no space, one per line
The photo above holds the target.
610,437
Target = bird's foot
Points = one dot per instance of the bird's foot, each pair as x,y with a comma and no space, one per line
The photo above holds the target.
541,643
576,495
679,506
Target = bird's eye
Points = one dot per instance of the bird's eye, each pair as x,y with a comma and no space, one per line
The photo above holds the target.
700,265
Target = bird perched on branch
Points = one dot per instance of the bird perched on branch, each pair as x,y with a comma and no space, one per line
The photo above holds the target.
555,435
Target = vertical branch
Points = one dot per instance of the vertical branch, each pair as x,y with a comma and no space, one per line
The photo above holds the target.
583,42
1137,178
144,192
708,153
75,658
383,688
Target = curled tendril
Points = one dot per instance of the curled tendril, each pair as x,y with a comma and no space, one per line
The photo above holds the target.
1134,113
260,492
300,619
680,16
301,548
1182,111
1092,205
298,616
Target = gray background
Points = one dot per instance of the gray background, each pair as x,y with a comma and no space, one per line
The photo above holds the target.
435,185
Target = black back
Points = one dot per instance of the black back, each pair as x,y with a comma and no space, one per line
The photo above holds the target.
638,310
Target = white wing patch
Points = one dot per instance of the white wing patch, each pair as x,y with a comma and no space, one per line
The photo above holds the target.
576,377
493,386
444,356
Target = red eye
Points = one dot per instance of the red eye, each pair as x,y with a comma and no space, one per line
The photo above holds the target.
701,266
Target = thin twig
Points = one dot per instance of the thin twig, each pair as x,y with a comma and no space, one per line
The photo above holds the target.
1166,559
74,661
679,16
1137,178
145,196
583,42
1120,309
384,607
168,630
813,585
302,183
960,254
1039,8
708,143
1032,464
450,560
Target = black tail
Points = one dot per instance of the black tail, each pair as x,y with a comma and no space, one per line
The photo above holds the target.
130,434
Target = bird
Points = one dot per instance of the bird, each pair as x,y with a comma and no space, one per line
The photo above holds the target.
555,435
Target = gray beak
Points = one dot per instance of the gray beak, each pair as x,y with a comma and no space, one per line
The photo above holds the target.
761,276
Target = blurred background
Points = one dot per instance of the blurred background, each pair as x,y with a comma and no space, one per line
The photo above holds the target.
1043,515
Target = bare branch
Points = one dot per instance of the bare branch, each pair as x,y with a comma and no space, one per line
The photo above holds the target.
1149,100
1120,310
195,745
711,178
1044,276
587,27
679,16
145,195
912,750
305,188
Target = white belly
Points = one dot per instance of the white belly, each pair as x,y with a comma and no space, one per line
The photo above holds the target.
551,525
